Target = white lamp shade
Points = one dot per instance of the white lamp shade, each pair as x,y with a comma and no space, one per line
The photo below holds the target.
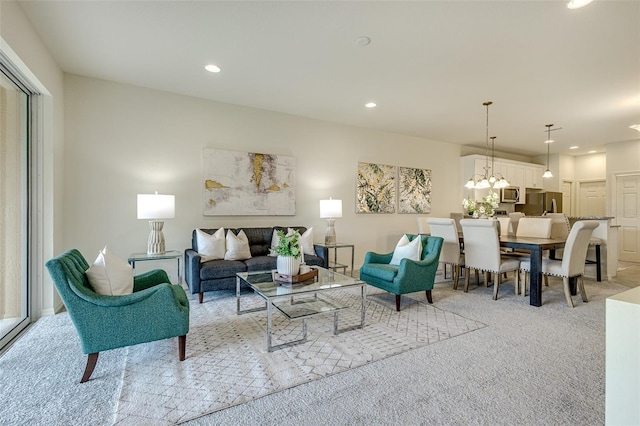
156,206
330,208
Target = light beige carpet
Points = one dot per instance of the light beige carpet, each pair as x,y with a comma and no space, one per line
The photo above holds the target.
227,362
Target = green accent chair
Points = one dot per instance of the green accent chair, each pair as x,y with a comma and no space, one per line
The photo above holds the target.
408,277
155,310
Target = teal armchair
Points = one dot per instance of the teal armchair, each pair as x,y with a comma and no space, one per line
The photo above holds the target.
155,310
408,277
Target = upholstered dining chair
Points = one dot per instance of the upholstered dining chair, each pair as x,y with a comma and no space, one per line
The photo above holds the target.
536,227
482,252
572,263
560,226
155,310
450,254
515,218
505,225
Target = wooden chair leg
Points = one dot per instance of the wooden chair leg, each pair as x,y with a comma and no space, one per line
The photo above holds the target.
456,276
398,302
477,277
567,291
496,286
200,297
546,280
582,290
486,279
429,297
466,279
92,360
182,346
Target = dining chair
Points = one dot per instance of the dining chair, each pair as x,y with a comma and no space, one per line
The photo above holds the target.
505,226
515,218
534,227
572,263
482,252
450,254
423,226
560,226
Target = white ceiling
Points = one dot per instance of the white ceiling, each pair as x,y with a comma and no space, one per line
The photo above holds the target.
429,67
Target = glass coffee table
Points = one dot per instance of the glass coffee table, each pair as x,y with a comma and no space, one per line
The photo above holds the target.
300,300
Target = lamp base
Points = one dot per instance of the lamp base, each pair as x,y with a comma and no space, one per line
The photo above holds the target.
330,236
155,245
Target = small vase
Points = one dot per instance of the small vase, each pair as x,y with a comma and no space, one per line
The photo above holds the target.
288,265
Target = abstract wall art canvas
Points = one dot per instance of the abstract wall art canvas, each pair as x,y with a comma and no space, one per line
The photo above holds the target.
248,183
414,190
376,188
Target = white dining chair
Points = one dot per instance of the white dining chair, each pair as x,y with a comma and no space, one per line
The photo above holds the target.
534,227
515,218
505,226
560,226
482,252
572,263
450,253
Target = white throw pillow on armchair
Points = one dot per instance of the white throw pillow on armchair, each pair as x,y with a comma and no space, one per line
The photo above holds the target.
110,275
407,249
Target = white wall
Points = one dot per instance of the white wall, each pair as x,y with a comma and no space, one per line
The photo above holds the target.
123,140
590,167
19,38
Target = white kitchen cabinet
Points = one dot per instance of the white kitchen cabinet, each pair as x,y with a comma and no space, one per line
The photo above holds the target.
519,174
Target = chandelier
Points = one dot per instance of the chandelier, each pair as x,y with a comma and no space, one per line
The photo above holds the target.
488,180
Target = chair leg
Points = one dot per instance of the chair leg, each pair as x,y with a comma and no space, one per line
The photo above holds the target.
546,280
567,291
582,290
200,297
398,302
92,359
467,271
516,282
477,277
598,264
429,297
456,276
486,279
182,345
496,286
523,287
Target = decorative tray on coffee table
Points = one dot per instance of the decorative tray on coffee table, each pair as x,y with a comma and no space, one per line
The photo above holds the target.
294,279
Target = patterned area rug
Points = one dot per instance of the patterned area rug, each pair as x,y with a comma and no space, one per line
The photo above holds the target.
228,364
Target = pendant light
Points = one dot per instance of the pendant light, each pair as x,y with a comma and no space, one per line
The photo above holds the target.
549,141
483,182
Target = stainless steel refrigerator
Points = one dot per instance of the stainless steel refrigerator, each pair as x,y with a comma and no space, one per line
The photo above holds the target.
537,203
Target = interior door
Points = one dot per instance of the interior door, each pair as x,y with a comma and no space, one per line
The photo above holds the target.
593,198
566,198
628,217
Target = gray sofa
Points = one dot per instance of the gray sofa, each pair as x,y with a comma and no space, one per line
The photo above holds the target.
221,274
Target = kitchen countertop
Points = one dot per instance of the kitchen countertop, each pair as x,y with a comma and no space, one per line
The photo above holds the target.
590,217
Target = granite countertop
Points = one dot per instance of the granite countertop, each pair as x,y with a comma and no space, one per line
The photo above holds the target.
590,217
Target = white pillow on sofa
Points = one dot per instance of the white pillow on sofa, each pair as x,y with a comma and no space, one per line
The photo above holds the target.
274,243
306,242
110,275
407,249
211,246
237,246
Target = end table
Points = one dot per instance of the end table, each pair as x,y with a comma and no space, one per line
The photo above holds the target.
334,265
167,255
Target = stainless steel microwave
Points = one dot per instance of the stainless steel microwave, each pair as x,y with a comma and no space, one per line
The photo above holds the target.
510,194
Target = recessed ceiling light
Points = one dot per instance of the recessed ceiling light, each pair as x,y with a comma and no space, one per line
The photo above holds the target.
592,152
574,147
575,4
212,68
549,141
370,104
635,126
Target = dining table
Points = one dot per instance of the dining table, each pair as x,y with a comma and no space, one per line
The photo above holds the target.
535,246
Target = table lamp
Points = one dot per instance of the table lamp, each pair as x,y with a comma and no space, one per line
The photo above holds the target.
330,209
153,207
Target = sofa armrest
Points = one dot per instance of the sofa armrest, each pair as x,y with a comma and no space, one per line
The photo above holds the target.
192,270
323,253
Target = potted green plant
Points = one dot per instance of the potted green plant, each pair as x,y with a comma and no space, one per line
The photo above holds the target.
289,253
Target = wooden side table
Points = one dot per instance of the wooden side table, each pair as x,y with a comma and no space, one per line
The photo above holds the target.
334,265
167,255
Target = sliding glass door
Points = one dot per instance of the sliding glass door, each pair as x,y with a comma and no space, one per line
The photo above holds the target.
14,207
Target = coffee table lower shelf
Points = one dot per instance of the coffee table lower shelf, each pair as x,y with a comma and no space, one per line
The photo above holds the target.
299,304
